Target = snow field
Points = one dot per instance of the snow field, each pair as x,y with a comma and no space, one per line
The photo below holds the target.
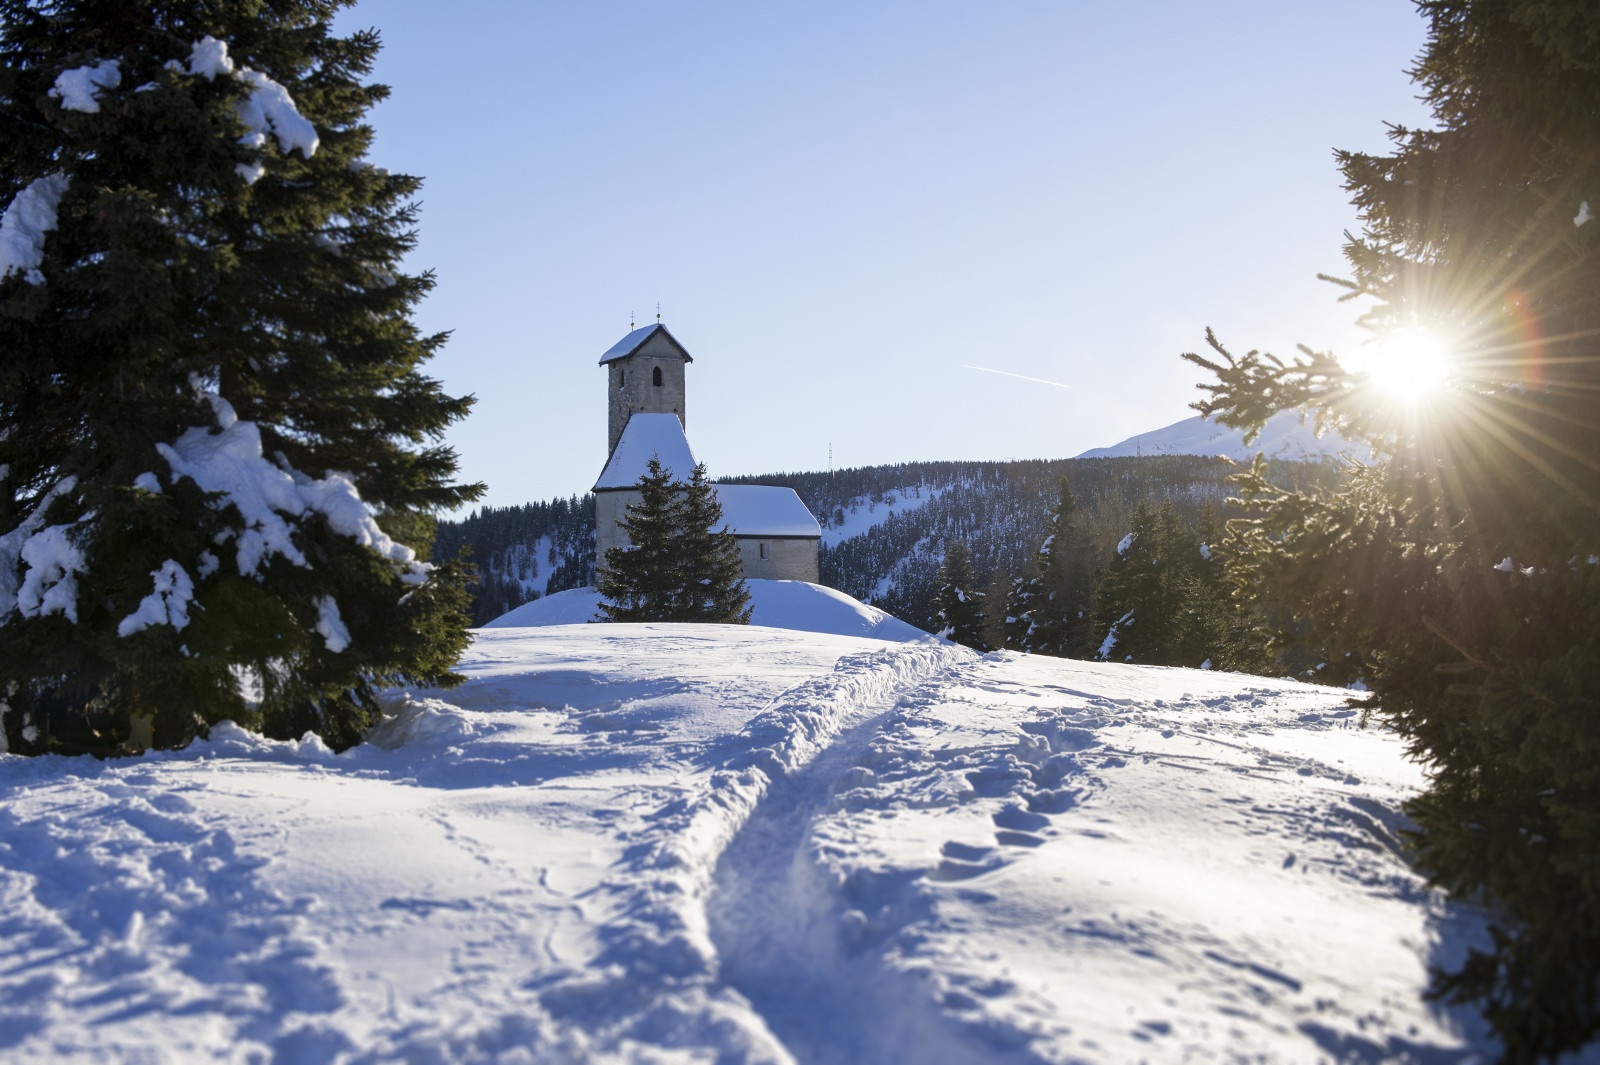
519,870
653,843
1066,861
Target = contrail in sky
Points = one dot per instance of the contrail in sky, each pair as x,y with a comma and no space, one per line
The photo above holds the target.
1020,377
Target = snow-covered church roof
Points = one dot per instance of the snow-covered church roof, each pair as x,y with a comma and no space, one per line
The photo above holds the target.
647,435
636,340
748,509
765,510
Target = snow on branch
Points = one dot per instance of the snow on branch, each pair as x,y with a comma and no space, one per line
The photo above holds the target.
269,109
231,463
26,220
51,583
14,547
78,89
167,605
330,626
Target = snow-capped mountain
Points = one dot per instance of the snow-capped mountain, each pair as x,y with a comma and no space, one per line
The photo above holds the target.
741,844
1284,436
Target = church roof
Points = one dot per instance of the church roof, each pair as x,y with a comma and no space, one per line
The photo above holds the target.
646,436
765,510
636,340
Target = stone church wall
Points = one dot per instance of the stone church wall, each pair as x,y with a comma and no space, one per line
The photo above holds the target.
788,559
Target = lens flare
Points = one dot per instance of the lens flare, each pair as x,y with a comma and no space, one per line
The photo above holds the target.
1410,365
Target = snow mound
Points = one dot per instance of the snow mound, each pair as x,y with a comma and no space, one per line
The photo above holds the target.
777,604
1283,437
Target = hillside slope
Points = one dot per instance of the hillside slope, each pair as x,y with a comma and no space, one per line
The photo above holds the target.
883,527
740,844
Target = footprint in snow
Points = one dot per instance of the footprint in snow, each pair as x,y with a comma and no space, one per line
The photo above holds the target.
963,862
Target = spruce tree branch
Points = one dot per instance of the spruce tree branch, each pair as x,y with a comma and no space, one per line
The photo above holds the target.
1433,627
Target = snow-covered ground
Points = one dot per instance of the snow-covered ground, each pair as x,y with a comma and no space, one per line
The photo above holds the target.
657,843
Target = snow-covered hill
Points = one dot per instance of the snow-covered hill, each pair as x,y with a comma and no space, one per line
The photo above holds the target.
740,844
778,604
1284,436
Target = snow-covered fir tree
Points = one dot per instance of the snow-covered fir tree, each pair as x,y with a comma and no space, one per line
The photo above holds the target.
219,450
997,603
1053,611
1141,603
960,602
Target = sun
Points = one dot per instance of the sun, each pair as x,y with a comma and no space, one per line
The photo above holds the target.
1410,364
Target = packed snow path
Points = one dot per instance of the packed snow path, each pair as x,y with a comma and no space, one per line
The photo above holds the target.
723,844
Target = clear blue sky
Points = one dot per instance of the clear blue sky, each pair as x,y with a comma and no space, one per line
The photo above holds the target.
841,205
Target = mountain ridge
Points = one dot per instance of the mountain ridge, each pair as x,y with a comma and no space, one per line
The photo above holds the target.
1287,436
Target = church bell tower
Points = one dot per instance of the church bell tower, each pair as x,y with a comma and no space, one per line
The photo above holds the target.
644,374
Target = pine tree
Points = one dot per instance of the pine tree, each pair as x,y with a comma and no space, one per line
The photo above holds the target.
1459,569
220,451
960,603
1056,609
642,581
714,589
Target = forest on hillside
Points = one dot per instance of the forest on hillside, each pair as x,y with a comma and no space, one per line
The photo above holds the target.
906,514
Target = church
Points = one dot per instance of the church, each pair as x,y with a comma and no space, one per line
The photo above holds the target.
778,537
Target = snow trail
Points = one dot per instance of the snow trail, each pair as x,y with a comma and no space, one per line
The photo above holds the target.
655,979
780,944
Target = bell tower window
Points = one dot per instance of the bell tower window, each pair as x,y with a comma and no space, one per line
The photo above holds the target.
655,377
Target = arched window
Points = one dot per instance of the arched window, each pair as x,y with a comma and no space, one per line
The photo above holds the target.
655,378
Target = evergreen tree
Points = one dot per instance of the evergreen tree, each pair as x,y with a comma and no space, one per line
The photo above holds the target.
996,609
960,603
220,453
1019,598
1056,615
1145,596
713,585
1458,570
1221,627
642,580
